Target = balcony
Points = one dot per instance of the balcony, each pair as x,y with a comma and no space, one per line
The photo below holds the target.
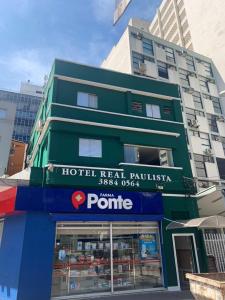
115,120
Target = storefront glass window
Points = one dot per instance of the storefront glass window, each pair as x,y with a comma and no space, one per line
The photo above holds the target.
82,260
88,259
136,258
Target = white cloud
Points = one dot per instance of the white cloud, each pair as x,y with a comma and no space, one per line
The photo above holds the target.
27,64
103,10
21,66
34,64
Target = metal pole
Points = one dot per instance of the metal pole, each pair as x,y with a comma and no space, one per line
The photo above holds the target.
111,256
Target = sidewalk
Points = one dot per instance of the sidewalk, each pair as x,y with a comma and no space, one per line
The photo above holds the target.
160,295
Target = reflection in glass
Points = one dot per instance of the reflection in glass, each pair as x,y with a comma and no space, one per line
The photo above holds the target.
82,262
136,259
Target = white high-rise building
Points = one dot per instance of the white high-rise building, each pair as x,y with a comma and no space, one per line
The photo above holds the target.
141,53
31,89
198,25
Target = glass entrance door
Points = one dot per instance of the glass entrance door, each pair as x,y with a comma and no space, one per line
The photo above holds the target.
136,257
186,258
97,258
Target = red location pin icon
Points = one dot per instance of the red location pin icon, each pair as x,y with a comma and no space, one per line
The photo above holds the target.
78,198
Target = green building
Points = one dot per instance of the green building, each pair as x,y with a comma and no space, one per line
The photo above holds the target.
110,170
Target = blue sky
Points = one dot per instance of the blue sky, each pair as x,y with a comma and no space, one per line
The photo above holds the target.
34,32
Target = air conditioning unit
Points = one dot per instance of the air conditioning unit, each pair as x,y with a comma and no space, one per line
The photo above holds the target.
182,53
221,119
209,79
217,138
139,35
40,126
192,74
193,123
190,90
202,184
142,68
171,67
208,151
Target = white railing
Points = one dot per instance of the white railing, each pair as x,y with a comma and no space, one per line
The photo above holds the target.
215,245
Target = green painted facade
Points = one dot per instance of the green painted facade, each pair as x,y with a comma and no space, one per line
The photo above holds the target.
115,123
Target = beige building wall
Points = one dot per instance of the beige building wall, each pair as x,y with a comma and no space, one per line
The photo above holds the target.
207,26
7,116
120,57
197,25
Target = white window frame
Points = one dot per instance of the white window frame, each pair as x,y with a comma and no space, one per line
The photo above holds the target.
169,155
175,254
90,148
153,111
89,100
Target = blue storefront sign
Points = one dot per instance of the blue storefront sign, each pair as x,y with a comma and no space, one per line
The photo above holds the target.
83,201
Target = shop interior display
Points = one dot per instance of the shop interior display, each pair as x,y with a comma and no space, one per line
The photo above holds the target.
83,263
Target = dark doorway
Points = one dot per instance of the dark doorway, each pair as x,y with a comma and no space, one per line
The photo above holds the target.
186,258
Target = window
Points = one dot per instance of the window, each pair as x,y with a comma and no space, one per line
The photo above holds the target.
204,84
192,113
2,113
197,100
207,68
87,100
129,246
200,164
136,106
147,46
216,138
90,147
205,139
216,105
39,92
167,110
223,143
163,70
221,167
148,155
215,102
203,136
170,55
212,122
184,78
139,58
190,63
153,111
